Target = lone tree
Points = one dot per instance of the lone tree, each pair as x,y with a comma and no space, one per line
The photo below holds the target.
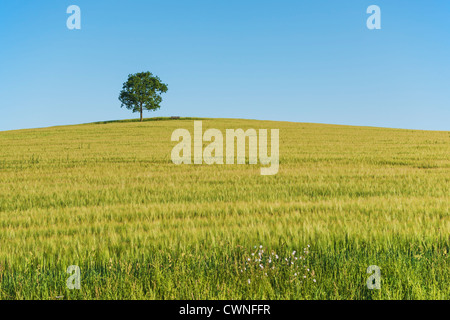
142,91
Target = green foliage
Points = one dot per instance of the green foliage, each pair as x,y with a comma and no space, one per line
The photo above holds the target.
142,91
108,198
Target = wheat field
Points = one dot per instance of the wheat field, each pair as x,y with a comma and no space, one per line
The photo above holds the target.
107,198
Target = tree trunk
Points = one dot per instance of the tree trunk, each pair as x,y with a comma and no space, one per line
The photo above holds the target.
141,113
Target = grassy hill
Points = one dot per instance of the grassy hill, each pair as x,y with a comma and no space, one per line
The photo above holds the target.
108,198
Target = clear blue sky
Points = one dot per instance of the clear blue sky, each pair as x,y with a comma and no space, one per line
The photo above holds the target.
305,61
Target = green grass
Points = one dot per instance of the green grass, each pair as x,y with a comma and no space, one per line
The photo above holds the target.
108,198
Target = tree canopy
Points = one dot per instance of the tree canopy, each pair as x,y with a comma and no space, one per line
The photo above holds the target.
142,91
